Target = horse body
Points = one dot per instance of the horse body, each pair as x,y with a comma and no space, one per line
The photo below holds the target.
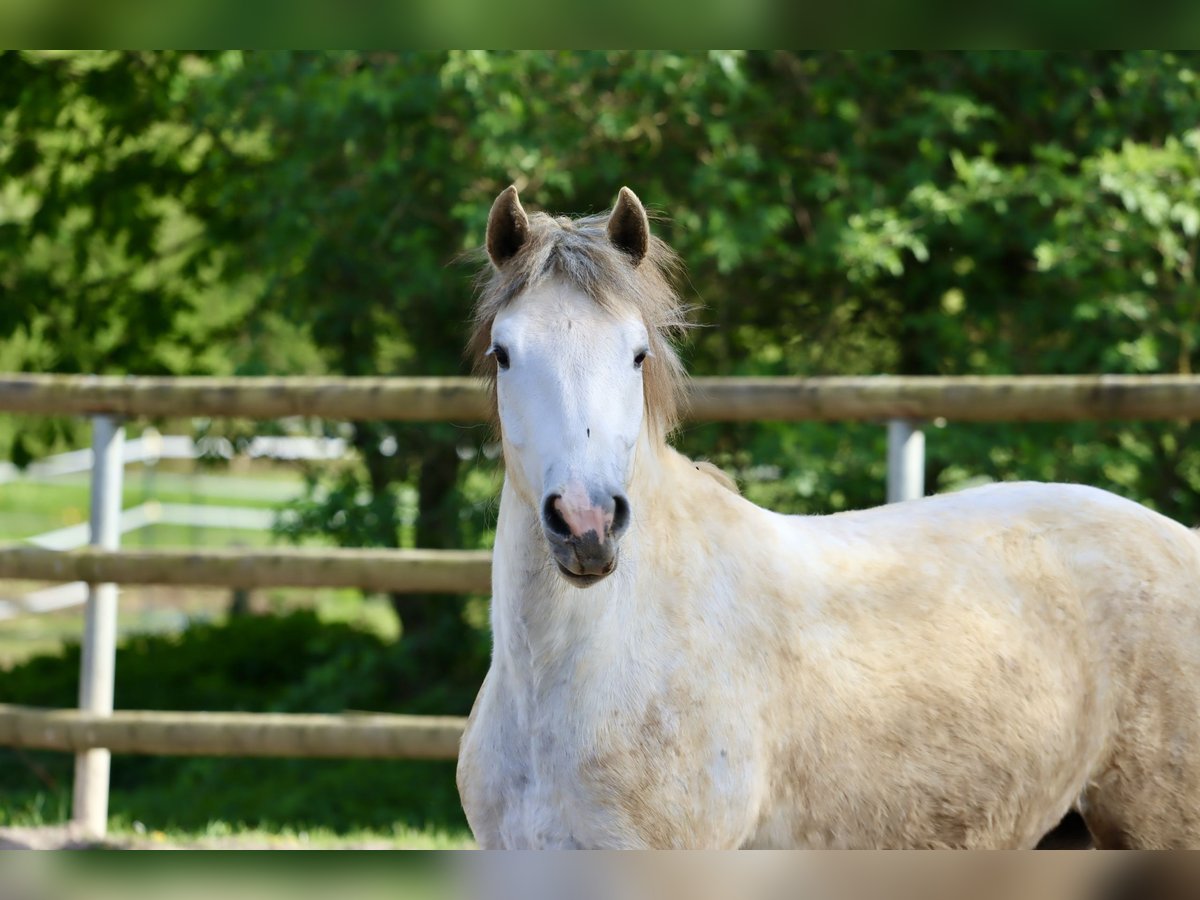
957,671
947,672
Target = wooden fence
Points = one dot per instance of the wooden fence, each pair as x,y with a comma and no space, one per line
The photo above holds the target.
411,571
95,730
1024,398
360,735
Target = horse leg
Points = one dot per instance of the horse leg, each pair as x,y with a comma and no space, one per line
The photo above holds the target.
1140,820
1148,795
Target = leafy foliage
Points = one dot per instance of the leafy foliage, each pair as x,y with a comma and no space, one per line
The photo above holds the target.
839,212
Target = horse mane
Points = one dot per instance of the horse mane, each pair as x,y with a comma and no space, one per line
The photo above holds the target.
579,252
717,474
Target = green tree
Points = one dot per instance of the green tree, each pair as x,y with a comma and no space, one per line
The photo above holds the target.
101,267
331,186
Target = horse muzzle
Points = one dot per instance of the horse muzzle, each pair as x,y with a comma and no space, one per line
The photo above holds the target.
583,529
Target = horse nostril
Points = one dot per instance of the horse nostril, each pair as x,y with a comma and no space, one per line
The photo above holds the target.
553,519
620,514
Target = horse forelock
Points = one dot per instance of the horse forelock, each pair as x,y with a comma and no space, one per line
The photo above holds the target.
578,252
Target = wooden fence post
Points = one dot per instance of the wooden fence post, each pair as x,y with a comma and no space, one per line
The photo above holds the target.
98,660
905,461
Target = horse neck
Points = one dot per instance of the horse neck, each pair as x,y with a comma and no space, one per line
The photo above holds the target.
535,613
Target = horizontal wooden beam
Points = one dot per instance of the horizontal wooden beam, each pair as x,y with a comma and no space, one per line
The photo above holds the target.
401,571
372,735
1027,398
404,399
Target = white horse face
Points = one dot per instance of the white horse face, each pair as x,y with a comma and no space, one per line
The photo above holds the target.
569,390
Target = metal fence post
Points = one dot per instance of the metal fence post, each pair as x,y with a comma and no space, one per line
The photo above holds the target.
98,663
906,461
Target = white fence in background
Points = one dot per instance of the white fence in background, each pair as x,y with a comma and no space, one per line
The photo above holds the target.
154,513
152,446
191,515
149,449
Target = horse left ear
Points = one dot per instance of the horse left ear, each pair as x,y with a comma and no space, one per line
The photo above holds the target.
507,227
629,227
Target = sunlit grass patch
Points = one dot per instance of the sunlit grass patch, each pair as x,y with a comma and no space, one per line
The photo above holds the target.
221,835
52,810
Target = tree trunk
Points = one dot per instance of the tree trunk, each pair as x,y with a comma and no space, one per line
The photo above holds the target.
438,646
437,529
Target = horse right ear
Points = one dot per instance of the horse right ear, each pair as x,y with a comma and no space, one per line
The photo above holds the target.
507,228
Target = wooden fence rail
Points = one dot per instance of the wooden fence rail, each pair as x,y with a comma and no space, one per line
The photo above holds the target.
1025,398
407,571
360,735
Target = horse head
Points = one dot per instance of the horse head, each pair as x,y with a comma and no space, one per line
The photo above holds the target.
570,331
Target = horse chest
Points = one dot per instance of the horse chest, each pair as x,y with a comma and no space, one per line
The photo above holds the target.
649,774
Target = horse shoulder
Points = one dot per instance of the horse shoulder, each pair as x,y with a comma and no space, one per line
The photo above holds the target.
493,771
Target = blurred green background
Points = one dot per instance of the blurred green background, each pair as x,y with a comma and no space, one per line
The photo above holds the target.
307,213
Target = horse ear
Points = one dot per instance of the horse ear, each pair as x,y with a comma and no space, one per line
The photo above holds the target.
629,227
507,227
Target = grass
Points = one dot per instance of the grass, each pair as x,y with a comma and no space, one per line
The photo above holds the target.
33,507
53,809
192,536
35,810
28,636
223,834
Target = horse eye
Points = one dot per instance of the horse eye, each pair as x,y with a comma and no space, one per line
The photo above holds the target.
639,359
501,356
